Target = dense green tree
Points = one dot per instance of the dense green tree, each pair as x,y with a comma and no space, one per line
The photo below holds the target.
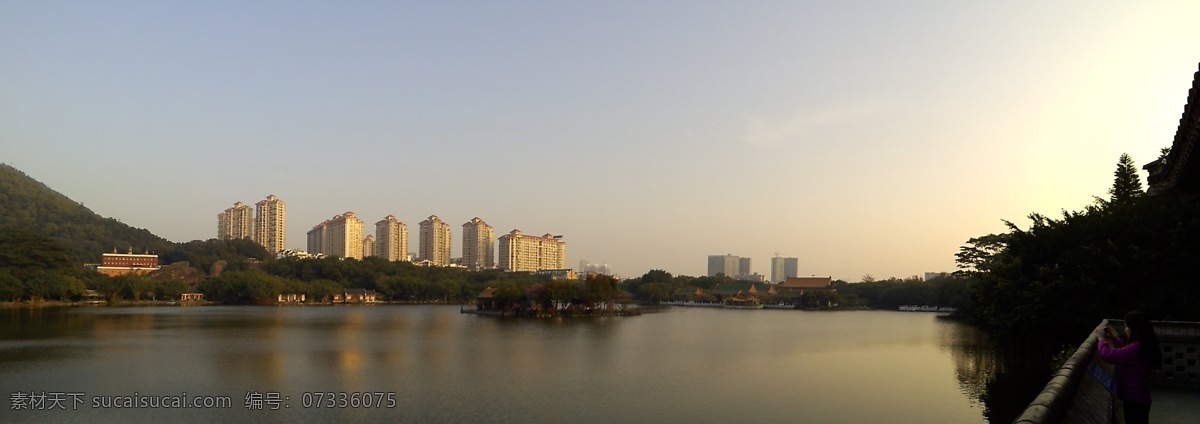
1103,261
654,292
170,290
11,287
889,293
657,276
979,254
202,254
250,286
25,253
599,289
321,290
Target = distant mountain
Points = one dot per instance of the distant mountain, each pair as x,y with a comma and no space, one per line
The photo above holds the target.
27,204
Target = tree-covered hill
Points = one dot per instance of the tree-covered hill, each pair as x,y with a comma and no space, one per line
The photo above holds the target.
29,205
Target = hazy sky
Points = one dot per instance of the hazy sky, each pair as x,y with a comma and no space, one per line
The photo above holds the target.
860,137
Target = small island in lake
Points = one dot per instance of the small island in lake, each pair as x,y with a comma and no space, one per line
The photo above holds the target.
595,296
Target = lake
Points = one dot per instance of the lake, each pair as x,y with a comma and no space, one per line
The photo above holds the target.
427,363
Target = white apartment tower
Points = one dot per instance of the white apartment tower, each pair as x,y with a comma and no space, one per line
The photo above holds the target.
391,239
368,246
270,224
340,236
479,245
435,241
236,222
519,252
316,238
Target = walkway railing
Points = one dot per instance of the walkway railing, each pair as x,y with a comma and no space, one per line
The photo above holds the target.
1082,390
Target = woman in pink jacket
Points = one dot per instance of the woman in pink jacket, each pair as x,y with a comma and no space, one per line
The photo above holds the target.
1134,355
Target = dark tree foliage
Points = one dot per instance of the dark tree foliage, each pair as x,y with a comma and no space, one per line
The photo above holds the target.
35,267
1127,185
203,254
249,286
23,253
400,281
1060,277
891,293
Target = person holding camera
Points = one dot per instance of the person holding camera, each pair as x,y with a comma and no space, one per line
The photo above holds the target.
1134,355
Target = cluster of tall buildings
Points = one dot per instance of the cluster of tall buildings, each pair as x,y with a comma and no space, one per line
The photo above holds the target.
517,252
344,236
265,224
738,268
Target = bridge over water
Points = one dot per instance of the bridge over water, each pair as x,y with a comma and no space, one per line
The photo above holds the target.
1080,392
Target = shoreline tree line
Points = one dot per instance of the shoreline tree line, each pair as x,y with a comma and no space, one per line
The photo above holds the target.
1126,252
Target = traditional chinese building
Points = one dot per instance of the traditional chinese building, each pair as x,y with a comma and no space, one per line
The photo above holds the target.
1177,173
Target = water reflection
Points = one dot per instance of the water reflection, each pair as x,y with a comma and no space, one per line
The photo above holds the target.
1003,378
693,365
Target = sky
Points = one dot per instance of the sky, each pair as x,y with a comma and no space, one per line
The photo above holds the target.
862,137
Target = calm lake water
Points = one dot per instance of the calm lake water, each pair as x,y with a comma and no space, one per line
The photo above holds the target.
686,365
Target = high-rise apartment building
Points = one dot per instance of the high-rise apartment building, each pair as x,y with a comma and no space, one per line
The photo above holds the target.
519,252
724,264
743,267
391,239
236,222
784,268
479,245
316,238
435,241
340,236
270,224
368,246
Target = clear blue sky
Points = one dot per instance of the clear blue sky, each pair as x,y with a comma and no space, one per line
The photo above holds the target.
861,137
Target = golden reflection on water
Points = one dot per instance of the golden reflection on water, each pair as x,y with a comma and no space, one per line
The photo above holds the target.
681,365
350,335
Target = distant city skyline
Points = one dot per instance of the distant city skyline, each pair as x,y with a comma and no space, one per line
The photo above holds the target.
862,139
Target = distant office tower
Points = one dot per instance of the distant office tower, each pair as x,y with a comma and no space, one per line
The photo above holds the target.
391,239
519,252
435,241
587,267
724,264
368,246
743,267
340,236
479,245
783,269
270,224
937,275
235,222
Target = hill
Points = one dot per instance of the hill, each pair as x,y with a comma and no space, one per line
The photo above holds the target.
27,204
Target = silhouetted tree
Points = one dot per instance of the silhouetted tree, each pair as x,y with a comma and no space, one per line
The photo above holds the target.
1127,185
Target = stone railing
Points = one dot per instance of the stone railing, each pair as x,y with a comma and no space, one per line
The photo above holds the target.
1082,390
